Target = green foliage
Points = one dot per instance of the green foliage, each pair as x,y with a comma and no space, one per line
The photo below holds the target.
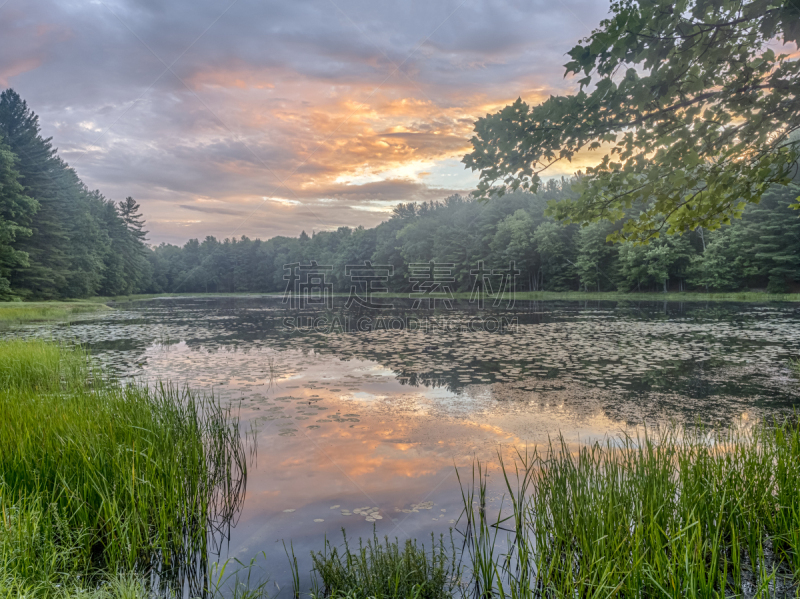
557,254
669,513
694,113
57,238
595,257
457,230
721,265
16,210
656,263
758,251
97,478
386,570
17,312
514,240
774,232
39,366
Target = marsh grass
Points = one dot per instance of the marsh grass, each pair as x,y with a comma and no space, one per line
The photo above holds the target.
99,479
121,586
385,570
672,513
794,364
19,312
42,366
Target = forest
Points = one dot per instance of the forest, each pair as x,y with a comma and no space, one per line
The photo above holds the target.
58,239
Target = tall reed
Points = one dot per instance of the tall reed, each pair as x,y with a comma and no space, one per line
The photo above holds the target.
670,513
42,366
385,570
104,478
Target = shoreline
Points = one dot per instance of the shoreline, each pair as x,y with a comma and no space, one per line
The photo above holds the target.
616,296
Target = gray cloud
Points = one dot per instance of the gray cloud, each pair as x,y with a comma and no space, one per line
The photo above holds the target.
286,100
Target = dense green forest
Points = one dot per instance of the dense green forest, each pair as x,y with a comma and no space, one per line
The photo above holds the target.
59,239
761,250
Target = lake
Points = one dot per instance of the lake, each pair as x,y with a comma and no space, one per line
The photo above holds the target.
362,416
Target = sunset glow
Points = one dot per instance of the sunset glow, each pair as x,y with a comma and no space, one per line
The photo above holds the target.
230,118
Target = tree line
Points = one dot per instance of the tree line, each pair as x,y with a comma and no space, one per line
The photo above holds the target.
58,239
761,250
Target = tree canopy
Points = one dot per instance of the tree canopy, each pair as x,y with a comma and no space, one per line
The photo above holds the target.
694,103
58,238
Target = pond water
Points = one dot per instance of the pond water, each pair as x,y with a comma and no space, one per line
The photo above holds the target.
362,417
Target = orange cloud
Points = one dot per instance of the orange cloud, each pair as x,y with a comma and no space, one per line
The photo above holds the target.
343,133
17,68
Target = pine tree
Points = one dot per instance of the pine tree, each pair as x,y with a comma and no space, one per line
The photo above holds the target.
42,177
75,232
16,211
130,215
773,233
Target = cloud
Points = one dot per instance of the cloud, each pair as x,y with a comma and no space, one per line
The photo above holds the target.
230,102
212,210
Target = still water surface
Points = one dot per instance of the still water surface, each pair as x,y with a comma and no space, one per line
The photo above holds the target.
365,428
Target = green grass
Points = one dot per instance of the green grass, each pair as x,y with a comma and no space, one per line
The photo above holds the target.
677,514
98,479
120,586
31,366
20,312
385,570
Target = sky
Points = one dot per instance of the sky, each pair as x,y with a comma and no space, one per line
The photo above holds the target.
264,118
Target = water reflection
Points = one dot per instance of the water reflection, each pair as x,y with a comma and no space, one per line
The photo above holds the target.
356,425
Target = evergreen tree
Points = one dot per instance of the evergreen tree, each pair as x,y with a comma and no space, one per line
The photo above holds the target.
79,244
773,233
16,211
42,176
556,251
514,242
130,215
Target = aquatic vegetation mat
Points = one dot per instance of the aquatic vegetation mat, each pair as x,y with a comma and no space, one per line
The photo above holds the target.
670,513
99,478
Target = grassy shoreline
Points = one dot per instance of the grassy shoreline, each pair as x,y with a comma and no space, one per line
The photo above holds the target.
614,296
679,513
22,312
102,483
